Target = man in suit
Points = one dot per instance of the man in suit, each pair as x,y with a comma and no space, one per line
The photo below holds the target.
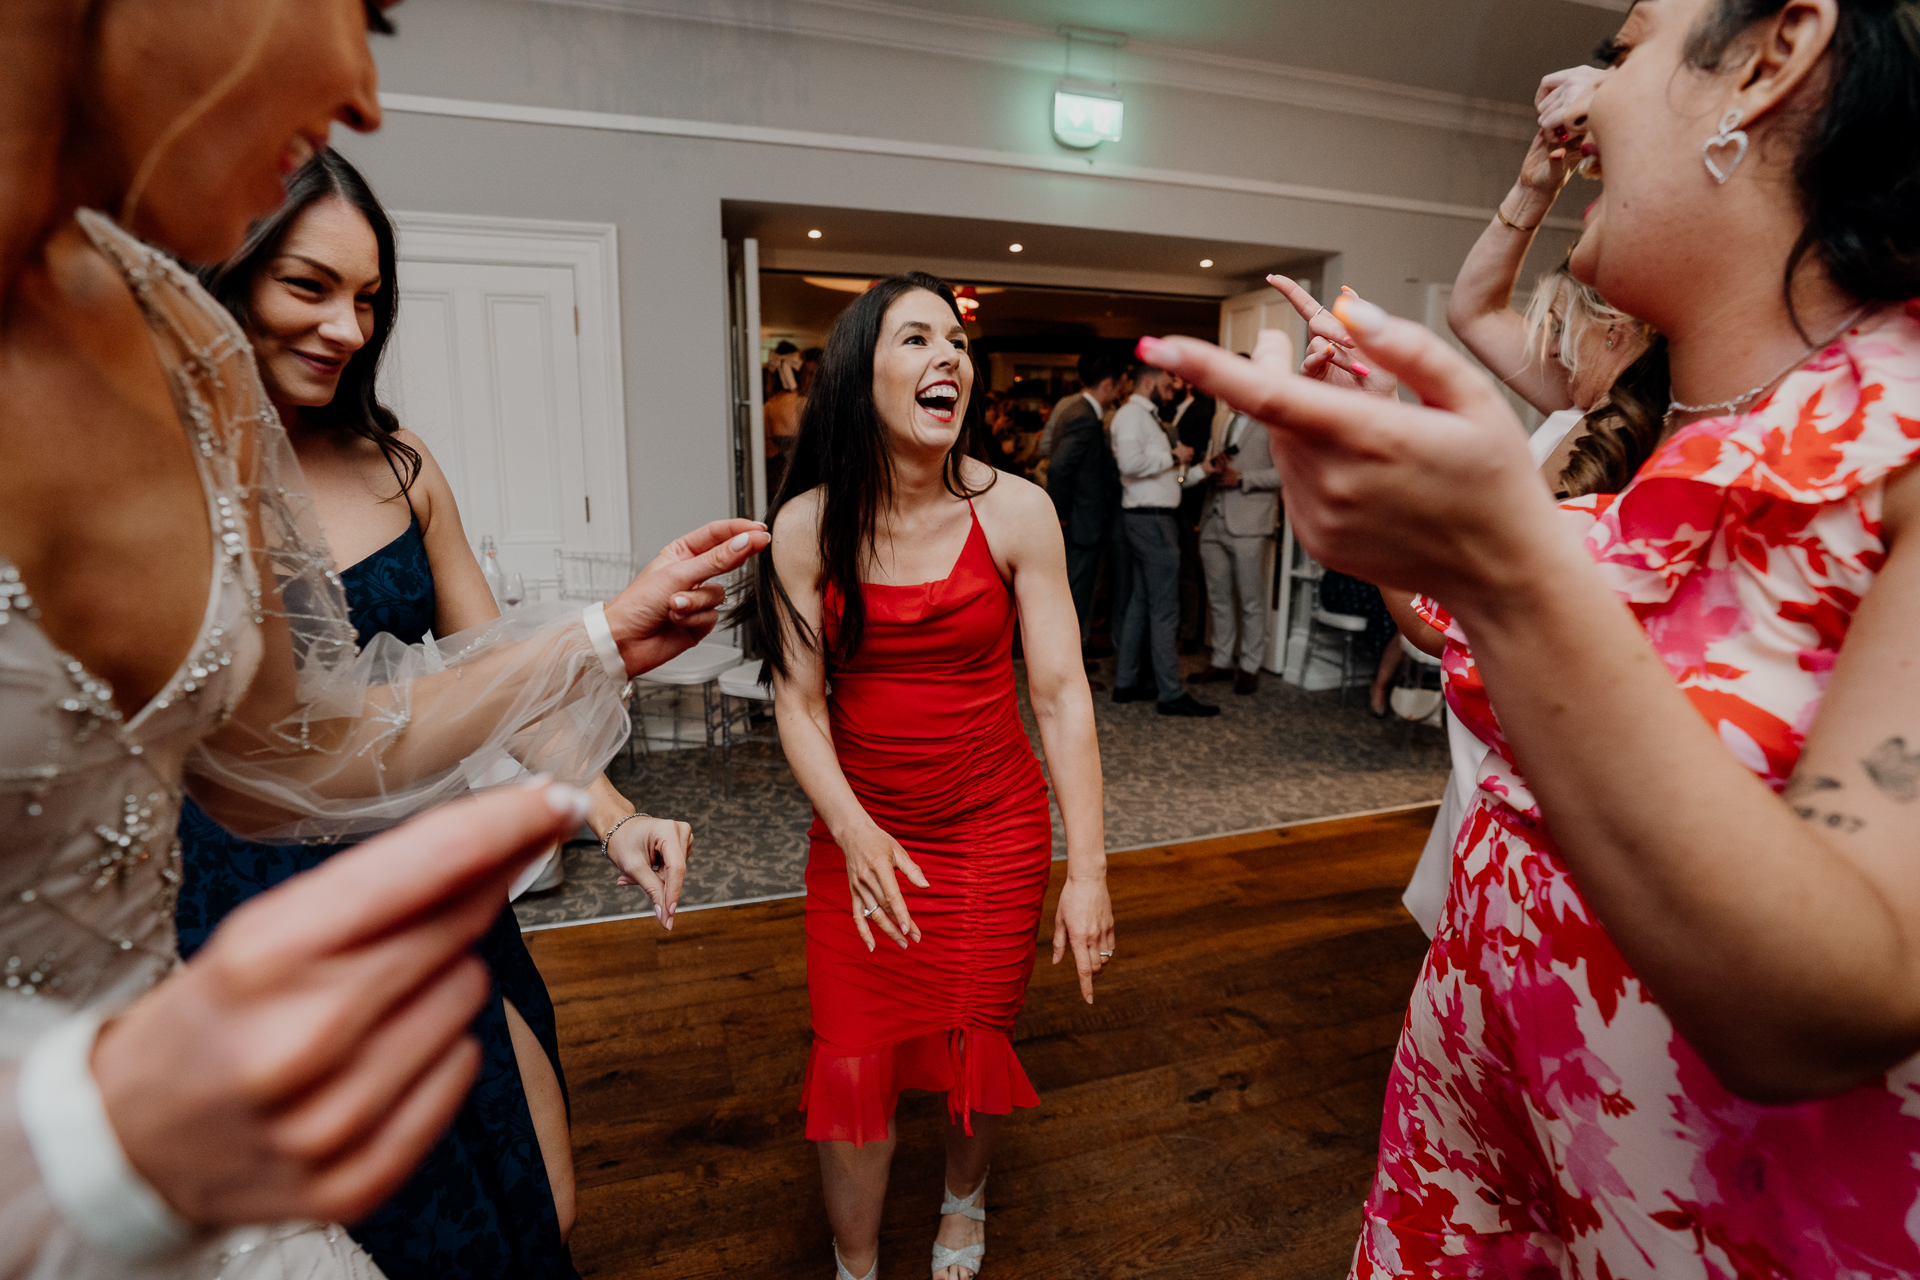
1082,479
1238,524
1189,416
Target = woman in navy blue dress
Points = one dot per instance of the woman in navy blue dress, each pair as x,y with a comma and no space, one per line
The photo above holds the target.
314,288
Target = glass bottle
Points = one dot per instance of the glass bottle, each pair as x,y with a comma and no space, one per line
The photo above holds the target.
490,568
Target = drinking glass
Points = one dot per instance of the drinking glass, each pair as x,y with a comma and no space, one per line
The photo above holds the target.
515,590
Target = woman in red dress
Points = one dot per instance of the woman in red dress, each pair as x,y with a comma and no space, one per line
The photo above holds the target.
900,563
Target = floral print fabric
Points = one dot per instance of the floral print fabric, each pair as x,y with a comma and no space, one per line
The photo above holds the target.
1543,1118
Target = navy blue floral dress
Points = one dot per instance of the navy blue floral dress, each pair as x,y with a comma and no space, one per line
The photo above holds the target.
480,1207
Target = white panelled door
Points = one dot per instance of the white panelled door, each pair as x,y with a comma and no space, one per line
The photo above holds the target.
486,370
1241,320
506,361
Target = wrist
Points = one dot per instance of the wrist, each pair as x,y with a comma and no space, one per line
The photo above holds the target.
607,813
1527,206
1524,584
84,1169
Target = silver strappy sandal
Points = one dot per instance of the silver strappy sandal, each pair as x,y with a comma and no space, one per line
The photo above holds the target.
840,1271
968,1256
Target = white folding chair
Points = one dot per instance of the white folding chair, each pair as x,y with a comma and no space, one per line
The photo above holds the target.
1347,627
593,575
698,668
742,693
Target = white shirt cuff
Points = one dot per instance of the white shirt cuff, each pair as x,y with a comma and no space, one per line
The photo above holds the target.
82,1165
600,634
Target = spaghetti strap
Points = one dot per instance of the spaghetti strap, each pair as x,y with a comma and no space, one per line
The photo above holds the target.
405,488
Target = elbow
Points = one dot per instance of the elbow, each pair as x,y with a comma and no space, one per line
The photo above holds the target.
1464,313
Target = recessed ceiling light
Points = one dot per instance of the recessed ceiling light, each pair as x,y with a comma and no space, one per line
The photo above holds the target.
813,235
1015,248
1206,262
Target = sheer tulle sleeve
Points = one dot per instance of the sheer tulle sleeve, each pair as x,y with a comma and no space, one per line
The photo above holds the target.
331,740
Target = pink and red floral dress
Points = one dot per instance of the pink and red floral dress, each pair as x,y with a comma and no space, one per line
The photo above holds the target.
1543,1118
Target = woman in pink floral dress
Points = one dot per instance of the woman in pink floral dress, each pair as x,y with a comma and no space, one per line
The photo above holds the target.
1669,1024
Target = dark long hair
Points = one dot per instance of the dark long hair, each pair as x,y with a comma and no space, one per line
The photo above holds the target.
1858,169
355,407
842,450
1622,433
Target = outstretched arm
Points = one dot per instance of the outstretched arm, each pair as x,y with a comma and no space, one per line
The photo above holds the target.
345,740
1780,934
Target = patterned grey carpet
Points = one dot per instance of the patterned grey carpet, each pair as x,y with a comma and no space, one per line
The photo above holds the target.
1280,755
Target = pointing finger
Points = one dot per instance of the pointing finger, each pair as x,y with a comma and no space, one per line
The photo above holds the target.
1434,371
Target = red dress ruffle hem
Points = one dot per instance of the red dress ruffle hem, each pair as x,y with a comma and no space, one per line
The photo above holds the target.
927,730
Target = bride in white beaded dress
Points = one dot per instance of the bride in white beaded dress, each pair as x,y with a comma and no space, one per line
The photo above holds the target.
169,617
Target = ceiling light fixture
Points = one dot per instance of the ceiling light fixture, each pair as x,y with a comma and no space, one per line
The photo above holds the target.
1088,112
1206,262
813,235
1015,248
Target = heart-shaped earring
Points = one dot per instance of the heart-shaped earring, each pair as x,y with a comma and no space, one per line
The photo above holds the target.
1730,135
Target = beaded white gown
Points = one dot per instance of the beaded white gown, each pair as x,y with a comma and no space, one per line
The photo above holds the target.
340,742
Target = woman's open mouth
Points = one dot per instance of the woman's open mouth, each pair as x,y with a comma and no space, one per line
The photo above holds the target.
940,399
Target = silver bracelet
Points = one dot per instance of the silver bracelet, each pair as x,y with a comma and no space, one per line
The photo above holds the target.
615,828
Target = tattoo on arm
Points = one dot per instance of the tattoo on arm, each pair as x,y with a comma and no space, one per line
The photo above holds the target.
1803,787
1894,770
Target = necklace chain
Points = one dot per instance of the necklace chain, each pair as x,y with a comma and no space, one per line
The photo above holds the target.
1674,406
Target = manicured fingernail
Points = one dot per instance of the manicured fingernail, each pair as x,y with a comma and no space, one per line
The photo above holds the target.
681,602
1349,292
568,801
1147,347
1361,370
742,542
1361,316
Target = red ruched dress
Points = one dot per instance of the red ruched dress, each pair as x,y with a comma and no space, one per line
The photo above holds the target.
927,731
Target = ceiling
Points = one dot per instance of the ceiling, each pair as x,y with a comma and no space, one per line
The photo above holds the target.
1010,317
873,242
1495,49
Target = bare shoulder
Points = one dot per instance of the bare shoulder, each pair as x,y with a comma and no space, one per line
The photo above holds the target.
796,536
430,492
1008,497
1020,522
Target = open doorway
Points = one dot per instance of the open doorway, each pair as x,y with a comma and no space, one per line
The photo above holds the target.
1040,297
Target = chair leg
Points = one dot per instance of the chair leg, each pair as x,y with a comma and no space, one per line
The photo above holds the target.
1346,667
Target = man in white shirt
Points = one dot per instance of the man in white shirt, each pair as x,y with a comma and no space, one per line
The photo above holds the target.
1153,473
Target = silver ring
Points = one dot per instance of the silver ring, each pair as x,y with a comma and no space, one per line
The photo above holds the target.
1106,954
868,912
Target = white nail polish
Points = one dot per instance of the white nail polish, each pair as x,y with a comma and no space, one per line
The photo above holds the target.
679,602
742,542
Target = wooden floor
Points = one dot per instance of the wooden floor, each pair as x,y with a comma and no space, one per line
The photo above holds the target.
1213,1115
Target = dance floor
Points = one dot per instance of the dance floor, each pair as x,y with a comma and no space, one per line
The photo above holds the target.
1280,756
1213,1115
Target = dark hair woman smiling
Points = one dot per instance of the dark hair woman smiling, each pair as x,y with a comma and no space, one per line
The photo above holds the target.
899,567
314,287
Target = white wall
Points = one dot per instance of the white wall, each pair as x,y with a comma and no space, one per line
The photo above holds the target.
664,192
